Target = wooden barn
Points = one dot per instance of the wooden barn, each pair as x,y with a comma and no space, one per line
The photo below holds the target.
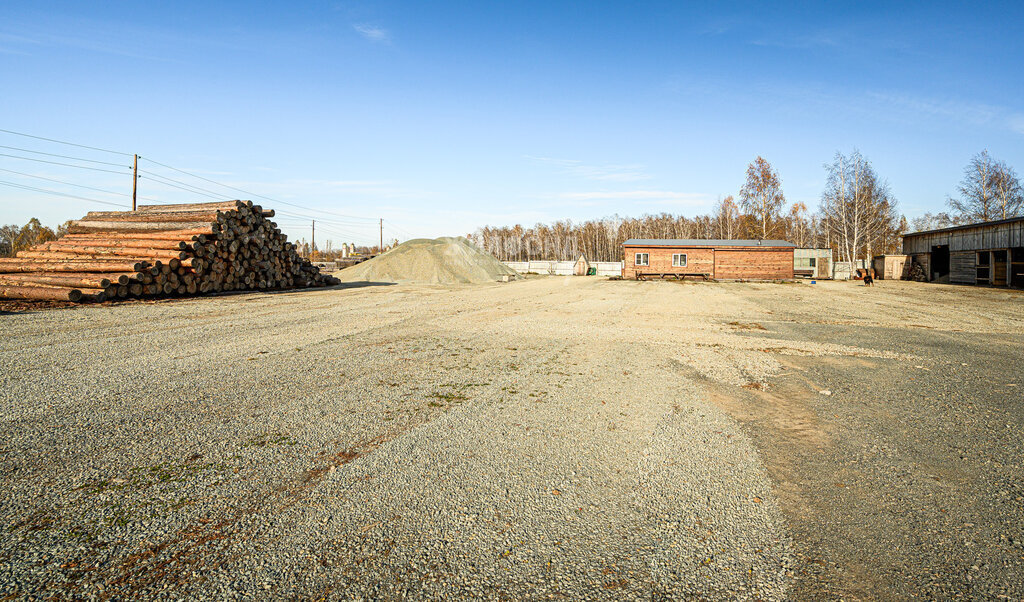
989,253
718,259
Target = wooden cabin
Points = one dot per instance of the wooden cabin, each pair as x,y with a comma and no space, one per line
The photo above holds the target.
707,259
990,253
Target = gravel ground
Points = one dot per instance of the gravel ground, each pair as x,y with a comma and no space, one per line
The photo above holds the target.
554,437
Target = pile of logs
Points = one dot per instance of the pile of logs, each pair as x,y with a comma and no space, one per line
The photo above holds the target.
161,250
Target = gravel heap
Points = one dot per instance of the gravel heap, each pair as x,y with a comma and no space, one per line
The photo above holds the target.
431,261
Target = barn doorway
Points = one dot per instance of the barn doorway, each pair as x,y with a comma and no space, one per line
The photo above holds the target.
1017,267
1000,262
940,261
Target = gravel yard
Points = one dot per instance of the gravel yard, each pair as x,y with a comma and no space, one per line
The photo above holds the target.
548,438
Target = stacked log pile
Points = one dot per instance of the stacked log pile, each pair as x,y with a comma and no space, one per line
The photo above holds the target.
161,250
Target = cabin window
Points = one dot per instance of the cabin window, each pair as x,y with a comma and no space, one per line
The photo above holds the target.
679,260
642,259
811,261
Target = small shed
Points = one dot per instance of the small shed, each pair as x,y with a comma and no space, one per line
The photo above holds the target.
891,267
812,263
989,253
581,267
718,259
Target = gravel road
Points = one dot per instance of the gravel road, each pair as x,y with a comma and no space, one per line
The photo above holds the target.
550,438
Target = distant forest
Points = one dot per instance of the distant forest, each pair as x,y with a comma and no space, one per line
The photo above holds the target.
857,216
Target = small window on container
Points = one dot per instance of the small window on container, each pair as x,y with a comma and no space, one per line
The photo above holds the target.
811,262
642,259
679,260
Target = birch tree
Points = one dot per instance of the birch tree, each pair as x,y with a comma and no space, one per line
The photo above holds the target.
1007,189
761,196
990,190
727,218
858,211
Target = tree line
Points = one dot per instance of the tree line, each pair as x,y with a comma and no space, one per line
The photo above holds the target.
857,216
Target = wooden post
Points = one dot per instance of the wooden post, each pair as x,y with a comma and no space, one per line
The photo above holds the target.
135,180
312,248
382,235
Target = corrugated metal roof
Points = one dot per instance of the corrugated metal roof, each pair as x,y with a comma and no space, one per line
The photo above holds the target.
696,242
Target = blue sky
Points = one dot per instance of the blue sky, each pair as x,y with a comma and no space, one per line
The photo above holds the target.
440,117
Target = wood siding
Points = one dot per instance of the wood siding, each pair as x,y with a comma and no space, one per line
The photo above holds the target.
767,263
763,264
925,260
697,260
963,267
891,267
977,238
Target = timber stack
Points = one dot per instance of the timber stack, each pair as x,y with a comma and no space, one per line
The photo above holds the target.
161,250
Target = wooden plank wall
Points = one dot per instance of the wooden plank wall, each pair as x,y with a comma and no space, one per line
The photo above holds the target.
963,267
924,260
697,260
1000,236
766,264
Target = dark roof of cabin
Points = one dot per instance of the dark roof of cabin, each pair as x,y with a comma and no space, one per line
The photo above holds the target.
997,222
696,242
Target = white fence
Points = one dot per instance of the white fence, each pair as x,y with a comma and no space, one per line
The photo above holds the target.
843,270
563,268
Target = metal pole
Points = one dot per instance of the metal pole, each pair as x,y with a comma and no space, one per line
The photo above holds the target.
135,180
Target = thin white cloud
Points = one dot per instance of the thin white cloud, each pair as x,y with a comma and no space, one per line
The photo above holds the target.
1016,122
372,32
600,173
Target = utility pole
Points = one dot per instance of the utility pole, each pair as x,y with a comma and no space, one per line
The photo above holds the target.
382,235
135,180
312,248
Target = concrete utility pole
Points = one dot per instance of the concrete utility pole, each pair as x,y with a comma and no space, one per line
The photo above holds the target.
135,180
382,235
312,248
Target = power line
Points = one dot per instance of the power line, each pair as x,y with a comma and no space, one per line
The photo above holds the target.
183,185
190,191
254,194
103,150
63,182
64,164
325,220
27,150
55,193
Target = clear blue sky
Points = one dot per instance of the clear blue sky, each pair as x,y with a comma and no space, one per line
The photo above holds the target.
444,116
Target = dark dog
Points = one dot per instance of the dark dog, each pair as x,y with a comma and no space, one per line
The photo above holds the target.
869,278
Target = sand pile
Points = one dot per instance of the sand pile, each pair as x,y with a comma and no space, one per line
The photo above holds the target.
437,261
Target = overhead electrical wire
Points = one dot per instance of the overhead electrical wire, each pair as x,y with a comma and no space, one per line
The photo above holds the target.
190,191
63,194
193,186
254,194
28,150
338,226
102,150
63,182
64,164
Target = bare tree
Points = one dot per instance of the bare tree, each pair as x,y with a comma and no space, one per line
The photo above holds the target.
932,221
727,218
990,190
798,226
1007,189
761,195
858,211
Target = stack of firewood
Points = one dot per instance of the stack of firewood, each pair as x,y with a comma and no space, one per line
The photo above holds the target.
161,250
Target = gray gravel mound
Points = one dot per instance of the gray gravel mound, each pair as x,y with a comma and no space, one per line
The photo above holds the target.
448,260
